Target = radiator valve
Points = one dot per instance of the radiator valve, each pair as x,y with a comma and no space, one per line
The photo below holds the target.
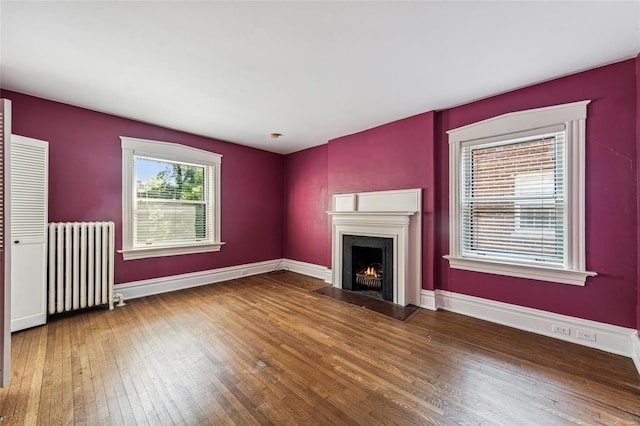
120,299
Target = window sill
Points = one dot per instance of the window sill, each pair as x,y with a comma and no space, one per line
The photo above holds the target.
143,253
564,276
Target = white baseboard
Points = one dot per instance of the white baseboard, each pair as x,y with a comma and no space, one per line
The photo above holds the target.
152,286
635,339
309,269
428,300
610,338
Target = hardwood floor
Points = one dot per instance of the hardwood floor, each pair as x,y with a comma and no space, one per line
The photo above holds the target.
266,350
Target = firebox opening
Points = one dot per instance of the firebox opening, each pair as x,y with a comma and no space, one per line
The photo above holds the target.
368,266
368,270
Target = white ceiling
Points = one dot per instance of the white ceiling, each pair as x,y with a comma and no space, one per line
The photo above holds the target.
313,71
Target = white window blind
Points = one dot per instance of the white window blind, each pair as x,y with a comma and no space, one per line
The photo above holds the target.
513,203
173,203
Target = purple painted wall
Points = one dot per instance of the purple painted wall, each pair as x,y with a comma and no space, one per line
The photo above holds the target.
611,211
85,175
306,224
414,153
85,184
397,155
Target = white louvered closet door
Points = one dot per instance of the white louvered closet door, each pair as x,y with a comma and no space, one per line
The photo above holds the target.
29,202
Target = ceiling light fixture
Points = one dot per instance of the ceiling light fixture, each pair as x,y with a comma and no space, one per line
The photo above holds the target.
275,135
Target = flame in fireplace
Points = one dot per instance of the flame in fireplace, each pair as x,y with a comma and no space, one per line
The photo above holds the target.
371,272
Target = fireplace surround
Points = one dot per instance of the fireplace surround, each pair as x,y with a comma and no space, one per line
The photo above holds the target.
394,215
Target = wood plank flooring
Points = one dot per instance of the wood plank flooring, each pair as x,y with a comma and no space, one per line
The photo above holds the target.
267,350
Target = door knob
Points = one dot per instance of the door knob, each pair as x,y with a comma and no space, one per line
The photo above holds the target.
16,242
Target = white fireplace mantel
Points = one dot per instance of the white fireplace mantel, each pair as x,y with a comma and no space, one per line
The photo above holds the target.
386,214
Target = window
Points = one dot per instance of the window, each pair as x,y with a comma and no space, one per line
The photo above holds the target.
517,195
170,199
513,199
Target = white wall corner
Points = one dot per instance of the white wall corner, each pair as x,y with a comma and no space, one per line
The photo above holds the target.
428,300
308,269
610,338
142,288
635,343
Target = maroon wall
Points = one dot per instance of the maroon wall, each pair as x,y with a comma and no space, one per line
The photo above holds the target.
85,175
414,153
611,211
85,184
306,223
397,155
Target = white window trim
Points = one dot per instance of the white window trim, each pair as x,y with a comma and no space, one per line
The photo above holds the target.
573,117
171,152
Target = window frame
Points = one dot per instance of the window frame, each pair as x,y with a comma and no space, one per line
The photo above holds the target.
165,151
572,117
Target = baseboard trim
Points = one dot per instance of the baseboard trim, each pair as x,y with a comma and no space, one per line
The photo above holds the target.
309,269
428,300
135,289
635,339
610,338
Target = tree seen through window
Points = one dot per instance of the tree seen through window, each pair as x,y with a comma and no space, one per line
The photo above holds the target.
170,201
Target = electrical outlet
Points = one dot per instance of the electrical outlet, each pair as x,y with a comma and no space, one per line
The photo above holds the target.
586,335
560,329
